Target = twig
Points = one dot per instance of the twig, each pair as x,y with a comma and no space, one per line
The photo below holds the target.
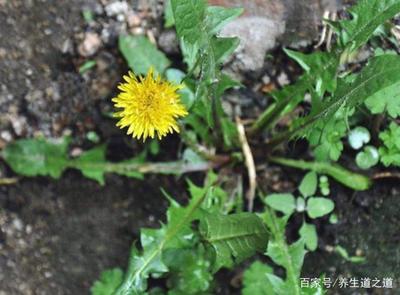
8,181
324,30
388,174
251,168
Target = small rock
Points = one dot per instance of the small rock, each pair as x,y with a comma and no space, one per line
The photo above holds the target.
116,8
76,152
266,79
264,22
137,31
2,145
121,18
19,124
283,79
18,224
168,42
6,136
90,44
133,19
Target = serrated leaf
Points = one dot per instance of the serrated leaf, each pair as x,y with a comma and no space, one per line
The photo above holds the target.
175,234
381,72
189,15
190,271
223,47
318,207
308,185
367,16
284,203
108,283
308,233
141,54
390,152
367,158
233,237
197,26
326,138
325,80
293,259
34,157
386,100
256,280
218,17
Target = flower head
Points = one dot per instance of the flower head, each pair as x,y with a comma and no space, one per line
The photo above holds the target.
149,106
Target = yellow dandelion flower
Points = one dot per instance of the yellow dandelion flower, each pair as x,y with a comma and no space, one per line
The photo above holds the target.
149,106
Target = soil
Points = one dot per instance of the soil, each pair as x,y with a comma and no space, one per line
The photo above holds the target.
56,236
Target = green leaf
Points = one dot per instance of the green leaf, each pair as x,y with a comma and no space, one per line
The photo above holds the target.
367,158
233,237
292,259
92,164
318,207
308,233
386,100
326,138
189,15
88,15
187,95
87,66
325,80
175,234
367,16
34,157
288,256
218,17
358,137
381,72
308,185
343,252
108,283
197,25
141,54
223,47
284,203
169,20
390,152
189,269
256,281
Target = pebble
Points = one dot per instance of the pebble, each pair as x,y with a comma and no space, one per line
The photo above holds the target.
18,224
90,44
6,136
168,42
283,79
116,8
137,31
19,124
133,19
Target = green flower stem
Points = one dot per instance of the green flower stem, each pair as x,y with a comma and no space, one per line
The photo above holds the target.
262,122
348,178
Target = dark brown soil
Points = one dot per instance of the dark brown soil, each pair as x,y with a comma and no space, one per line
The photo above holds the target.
57,236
